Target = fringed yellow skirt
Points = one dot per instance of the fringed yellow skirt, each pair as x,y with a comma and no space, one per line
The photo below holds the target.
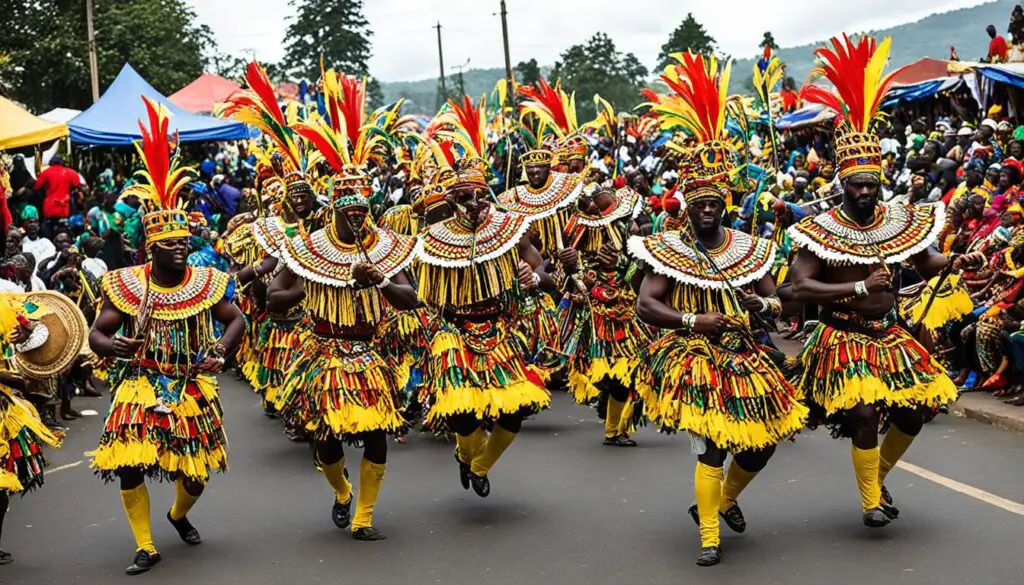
339,388
403,342
843,369
164,426
734,397
481,369
539,327
22,436
278,343
603,343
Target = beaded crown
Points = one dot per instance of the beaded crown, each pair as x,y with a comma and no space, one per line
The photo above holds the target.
855,69
539,156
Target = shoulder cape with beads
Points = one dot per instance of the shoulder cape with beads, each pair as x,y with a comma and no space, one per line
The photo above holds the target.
742,258
320,257
451,244
202,288
272,232
897,233
562,190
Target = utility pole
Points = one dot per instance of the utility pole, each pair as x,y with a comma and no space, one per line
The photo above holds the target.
440,59
93,68
459,80
504,36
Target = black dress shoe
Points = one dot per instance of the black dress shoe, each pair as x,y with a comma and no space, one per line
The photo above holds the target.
876,518
368,534
187,532
481,485
342,513
734,518
709,555
6,558
619,441
144,561
464,471
886,496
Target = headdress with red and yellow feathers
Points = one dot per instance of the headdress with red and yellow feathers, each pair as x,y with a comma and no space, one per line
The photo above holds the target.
855,69
161,179
698,105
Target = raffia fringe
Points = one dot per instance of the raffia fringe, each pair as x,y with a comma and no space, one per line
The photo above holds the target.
345,306
843,370
462,286
188,441
583,385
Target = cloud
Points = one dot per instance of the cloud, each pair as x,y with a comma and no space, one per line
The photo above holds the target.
405,42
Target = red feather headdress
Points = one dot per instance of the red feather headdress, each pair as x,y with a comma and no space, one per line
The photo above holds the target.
161,177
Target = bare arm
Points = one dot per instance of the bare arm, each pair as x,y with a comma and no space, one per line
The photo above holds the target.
106,326
400,293
249,273
530,255
285,292
650,303
231,318
807,289
929,263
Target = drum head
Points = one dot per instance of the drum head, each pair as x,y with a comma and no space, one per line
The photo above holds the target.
67,334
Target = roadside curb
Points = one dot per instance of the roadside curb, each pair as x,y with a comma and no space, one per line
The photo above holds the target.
993,411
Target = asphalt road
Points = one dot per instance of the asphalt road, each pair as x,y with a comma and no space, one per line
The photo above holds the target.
563,509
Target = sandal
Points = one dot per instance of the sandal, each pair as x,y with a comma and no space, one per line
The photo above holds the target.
619,441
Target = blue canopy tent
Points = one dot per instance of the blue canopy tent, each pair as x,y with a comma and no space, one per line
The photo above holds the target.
919,91
113,120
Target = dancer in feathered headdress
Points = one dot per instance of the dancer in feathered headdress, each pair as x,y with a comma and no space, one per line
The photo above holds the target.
860,361
159,320
555,113
347,276
255,245
707,285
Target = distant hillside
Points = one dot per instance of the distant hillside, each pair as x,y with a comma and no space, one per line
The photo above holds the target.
930,36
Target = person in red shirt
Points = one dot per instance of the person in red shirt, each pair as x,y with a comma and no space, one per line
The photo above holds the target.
997,48
58,182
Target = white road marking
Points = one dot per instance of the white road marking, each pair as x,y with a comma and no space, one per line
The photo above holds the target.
963,488
63,467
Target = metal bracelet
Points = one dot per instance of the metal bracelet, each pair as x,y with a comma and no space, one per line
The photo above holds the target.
861,289
384,283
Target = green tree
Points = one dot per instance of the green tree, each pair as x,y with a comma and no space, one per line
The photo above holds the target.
598,67
335,30
46,42
769,41
527,72
690,35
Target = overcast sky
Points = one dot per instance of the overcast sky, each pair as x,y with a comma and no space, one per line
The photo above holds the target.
405,44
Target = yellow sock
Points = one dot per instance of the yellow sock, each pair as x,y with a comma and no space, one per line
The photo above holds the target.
707,483
183,501
736,480
136,508
371,476
470,445
335,474
496,444
894,445
865,465
612,418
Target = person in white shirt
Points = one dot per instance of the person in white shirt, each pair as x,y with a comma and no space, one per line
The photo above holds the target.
40,247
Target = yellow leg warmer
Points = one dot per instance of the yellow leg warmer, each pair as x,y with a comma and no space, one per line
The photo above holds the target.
136,508
736,480
612,418
183,501
894,445
496,444
469,446
335,474
707,483
865,465
371,476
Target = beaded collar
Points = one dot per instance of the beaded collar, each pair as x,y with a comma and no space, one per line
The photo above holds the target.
896,233
321,257
201,289
626,205
452,244
272,232
742,258
561,191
